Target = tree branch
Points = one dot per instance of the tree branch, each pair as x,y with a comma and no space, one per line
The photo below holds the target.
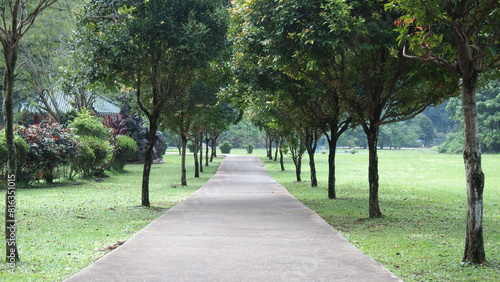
440,61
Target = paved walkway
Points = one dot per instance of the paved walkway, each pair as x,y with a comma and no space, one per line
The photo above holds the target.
241,225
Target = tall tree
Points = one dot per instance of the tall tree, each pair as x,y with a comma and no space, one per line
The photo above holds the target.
384,86
153,47
461,36
18,16
297,42
42,54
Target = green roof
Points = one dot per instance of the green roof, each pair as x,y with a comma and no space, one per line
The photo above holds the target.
102,105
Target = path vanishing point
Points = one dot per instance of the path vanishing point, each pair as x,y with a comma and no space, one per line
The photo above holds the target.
242,225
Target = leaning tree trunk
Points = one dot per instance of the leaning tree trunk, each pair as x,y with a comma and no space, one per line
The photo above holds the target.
474,242
148,160
12,254
372,136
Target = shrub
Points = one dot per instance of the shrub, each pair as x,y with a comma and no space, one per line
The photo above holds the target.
225,147
125,147
88,125
83,164
94,154
250,148
454,144
22,149
51,145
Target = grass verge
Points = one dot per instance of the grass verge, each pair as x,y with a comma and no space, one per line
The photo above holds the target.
423,197
60,229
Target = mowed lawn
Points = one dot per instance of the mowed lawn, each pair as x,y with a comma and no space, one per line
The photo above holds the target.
423,197
60,229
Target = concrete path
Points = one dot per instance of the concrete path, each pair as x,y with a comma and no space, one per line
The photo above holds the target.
242,225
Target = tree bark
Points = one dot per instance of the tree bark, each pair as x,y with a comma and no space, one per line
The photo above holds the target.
311,144
332,144
196,143
183,160
207,140
282,163
215,136
474,241
148,160
201,152
298,168
373,177
278,144
269,140
10,55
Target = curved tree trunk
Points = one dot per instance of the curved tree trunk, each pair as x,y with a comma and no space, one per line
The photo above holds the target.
474,241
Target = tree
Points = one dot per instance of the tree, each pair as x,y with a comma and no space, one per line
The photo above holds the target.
18,16
296,42
42,53
488,106
460,36
152,47
383,86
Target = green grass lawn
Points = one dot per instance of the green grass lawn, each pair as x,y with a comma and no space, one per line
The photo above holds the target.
421,237
60,229
423,197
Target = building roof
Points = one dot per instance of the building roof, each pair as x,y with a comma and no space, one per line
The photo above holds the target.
102,105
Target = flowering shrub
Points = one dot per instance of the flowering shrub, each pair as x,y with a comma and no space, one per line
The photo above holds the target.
51,145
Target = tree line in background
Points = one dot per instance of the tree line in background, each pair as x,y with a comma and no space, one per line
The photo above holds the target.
296,73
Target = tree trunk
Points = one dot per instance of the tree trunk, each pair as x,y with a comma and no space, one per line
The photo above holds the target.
207,140
332,144
277,148
183,160
372,136
474,242
311,144
196,143
214,149
269,140
201,152
282,163
148,160
214,146
298,168
12,255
